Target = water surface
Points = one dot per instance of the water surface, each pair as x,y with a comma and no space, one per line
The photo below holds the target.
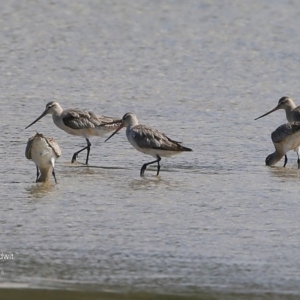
216,223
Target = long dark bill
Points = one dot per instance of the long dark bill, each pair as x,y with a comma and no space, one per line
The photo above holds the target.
42,115
119,128
274,109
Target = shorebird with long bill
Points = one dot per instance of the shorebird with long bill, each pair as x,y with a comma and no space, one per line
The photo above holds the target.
148,141
44,151
291,110
285,138
79,122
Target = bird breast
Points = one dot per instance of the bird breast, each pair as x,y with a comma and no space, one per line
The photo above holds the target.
41,152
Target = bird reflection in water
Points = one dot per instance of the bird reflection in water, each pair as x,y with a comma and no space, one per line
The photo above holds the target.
40,190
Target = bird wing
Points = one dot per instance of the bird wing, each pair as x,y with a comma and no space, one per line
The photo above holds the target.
109,122
105,119
54,145
285,130
147,137
80,119
28,148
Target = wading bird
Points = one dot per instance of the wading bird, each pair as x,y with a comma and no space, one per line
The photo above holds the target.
148,141
285,138
291,110
80,123
44,151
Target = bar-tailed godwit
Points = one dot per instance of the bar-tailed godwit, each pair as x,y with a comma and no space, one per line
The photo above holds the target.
44,151
285,138
80,123
148,140
292,111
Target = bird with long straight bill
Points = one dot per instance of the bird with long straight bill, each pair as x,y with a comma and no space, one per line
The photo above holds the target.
148,141
80,123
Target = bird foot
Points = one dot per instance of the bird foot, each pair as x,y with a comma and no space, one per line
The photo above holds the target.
143,169
74,158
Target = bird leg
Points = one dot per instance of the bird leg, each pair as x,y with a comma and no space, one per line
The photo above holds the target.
53,173
88,147
285,160
149,163
298,160
37,173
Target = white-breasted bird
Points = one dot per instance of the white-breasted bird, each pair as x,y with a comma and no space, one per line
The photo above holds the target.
291,110
79,122
285,138
148,141
44,151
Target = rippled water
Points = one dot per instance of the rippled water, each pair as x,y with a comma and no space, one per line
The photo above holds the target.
216,221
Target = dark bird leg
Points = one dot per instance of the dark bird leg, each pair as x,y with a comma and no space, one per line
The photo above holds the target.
88,147
149,163
285,160
37,173
53,173
298,161
158,164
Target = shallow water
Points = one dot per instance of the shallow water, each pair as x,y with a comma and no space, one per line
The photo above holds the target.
216,222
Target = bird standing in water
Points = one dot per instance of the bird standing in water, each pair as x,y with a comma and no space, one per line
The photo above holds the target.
285,138
80,123
149,141
292,113
44,151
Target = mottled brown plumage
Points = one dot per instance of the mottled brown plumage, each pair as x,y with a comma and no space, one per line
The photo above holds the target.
149,140
44,151
79,122
285,138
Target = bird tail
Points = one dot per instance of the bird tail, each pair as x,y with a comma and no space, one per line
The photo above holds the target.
185,148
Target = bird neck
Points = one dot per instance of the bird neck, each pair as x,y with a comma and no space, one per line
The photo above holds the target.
292,104
289,111
133,122
289,115
289,107
57,111
128,130
56,114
